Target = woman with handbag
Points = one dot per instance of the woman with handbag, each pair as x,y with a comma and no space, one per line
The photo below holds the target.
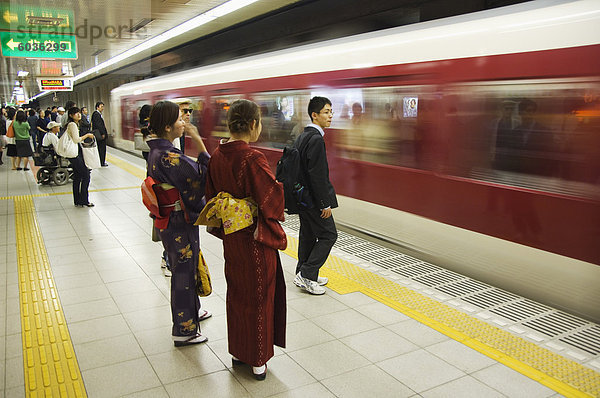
237,173
180,183
81,174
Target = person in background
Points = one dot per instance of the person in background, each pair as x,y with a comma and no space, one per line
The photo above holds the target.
53,114
81,174
84,124
98,124
51,138
60,114
256,307
22,140
2,132
182,182
32,120
185,106
317,228
42,128
63,119
11,147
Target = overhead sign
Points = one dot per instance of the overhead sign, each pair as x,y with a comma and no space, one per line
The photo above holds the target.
30,18
55,84
38,45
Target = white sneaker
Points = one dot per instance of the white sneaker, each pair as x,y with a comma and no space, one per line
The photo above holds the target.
322,280
163,263
310,286
167,272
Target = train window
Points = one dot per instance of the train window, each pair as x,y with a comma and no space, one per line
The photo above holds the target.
283,116
220,106
384,125
532,134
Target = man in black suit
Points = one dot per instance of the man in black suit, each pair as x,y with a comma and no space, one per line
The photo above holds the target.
102,133
317,228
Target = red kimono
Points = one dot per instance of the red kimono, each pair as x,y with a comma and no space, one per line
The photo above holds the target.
256,306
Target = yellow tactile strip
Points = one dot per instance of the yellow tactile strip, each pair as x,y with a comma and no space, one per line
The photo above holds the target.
40,195
552,370
50,365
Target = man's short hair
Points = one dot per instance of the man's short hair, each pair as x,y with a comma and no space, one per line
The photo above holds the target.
99,103
316,104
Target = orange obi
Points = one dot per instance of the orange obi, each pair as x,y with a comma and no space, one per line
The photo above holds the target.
161,200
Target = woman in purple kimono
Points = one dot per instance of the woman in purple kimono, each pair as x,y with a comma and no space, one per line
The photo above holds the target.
179,175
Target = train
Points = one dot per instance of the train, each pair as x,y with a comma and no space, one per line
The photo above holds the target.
472,140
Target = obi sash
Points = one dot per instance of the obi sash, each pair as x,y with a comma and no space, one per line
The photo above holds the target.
234,214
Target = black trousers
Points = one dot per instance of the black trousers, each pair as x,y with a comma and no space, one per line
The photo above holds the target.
102,151
317,236
81,179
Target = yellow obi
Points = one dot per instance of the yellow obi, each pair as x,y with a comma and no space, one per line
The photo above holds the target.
233,213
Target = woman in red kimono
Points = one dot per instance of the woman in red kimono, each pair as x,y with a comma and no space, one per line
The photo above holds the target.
256,308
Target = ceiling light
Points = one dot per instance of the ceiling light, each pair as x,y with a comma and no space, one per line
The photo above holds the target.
199,20
22,73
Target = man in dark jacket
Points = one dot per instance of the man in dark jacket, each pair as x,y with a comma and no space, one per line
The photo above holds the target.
102,133
317,228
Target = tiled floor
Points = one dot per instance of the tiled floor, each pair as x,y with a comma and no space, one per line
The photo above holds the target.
115,299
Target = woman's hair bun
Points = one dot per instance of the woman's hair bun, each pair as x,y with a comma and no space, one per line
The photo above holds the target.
240,116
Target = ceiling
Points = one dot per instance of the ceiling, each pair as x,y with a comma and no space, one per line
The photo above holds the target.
106,28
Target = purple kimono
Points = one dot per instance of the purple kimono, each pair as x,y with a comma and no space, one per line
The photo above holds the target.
167,164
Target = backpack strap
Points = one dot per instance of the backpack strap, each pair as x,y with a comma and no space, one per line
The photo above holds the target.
301,148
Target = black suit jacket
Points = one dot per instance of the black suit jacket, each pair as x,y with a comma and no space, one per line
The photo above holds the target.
98,124
314,160
84,126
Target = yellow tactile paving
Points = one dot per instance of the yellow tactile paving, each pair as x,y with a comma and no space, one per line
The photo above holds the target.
128,167
554,371
50,366
40,195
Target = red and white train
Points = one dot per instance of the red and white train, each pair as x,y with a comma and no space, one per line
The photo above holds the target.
474,140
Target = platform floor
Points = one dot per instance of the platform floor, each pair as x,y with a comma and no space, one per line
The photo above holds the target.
112,308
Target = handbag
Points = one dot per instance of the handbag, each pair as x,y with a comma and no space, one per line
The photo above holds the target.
66,147
203,285
10,131
90,154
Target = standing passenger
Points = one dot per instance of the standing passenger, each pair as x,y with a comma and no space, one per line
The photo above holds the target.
144,119
256,308
42,129
22,140
2,133
98,124
182,181
81,173
84,124
32,120
317,228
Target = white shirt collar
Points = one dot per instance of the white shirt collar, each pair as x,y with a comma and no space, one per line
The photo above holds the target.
317,127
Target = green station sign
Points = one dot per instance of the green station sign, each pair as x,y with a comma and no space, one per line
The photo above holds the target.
31,18
38,45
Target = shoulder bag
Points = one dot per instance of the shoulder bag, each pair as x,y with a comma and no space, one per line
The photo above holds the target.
67,148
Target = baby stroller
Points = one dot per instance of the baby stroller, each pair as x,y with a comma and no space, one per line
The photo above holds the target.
53,168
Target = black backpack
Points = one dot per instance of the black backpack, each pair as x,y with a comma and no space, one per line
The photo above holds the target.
291,173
